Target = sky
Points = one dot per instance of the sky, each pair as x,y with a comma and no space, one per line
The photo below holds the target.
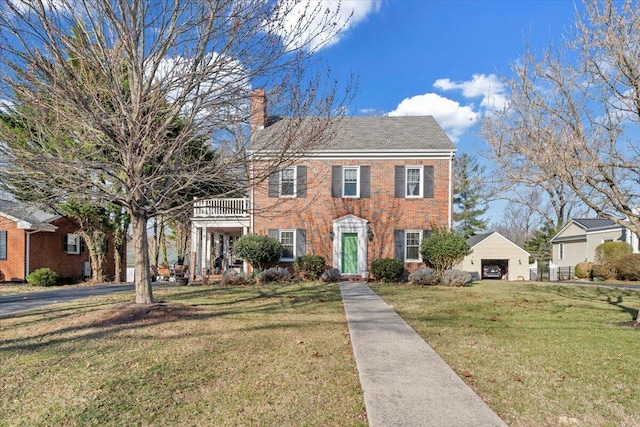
445,58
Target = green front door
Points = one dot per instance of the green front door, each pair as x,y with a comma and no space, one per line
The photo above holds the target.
349,253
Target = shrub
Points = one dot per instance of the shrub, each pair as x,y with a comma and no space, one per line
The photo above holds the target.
232,278
628,267
610,251
583,270
331,275
603,271
309,267
456,277
443,250
423,276
387,269
42,277
258,250
274,274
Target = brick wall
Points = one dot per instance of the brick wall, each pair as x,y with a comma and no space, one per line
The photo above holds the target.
13,267
45,252
316,212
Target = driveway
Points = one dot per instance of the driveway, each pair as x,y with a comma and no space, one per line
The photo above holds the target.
15,303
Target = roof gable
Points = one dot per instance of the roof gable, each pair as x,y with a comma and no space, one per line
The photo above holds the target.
584,226
478,239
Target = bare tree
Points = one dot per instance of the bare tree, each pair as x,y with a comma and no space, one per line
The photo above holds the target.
572,112
518,223
100,129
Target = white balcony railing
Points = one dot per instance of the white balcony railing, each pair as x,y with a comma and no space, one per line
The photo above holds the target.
216,208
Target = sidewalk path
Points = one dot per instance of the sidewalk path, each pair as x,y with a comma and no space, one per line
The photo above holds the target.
405,382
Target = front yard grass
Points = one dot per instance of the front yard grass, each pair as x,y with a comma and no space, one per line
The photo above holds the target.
250,356
538,354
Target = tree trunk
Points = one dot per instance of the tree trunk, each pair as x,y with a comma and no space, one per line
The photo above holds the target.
144,295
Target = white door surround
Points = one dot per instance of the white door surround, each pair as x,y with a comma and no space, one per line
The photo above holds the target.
350,224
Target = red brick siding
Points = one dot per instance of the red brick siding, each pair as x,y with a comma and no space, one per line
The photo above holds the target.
13,267
45,252
386,213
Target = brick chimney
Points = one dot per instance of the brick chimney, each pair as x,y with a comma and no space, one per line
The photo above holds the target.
258,110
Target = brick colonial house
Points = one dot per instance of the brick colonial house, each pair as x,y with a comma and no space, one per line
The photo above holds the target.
374,192
31,239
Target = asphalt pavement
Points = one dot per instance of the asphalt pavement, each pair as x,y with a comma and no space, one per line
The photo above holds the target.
10,304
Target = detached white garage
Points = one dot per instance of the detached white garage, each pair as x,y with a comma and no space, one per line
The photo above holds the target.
493,249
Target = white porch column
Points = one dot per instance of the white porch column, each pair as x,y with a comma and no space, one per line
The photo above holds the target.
195,251
245,264
206,261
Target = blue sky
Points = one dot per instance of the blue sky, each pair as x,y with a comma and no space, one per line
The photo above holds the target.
441,57
444,58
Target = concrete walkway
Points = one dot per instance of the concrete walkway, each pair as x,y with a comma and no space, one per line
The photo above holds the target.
405,382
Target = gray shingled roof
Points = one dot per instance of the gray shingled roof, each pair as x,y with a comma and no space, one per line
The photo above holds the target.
31,215
592,224
477,238
371,133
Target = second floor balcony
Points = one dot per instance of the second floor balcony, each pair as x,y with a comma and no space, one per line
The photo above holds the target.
221,208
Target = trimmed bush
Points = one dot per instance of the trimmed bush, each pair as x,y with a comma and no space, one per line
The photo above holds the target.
309,267
603,271
628,267
274,274
233,278
387,269
443,250
583,270
423,276
331,275
456,277
610,251
42,277
258,250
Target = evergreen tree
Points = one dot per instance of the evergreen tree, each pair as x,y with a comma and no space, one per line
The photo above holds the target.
469,196
539,245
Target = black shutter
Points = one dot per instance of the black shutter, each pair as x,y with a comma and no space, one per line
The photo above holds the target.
273,233
301,176
365,182
64,243
81,243
301,242
398,239
428,181
426,234
274,183
336,181
399,182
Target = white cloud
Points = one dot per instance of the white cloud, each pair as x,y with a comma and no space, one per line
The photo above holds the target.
317,24
454,118
489,87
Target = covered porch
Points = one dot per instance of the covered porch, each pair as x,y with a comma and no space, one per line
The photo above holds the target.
215,226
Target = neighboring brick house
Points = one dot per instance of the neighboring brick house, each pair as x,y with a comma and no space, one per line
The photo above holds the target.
577,241
31,239
374,191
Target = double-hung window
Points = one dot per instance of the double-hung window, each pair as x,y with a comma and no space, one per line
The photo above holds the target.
413,238
288,182
3,244
288,241
71,244
413,180
350,180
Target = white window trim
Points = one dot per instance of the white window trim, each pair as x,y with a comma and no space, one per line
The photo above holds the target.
295,182
343,183
406,181
5,233
70,250
561,251
406,232
294,243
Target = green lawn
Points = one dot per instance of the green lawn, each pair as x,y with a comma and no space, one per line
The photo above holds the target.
539,354
250,356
